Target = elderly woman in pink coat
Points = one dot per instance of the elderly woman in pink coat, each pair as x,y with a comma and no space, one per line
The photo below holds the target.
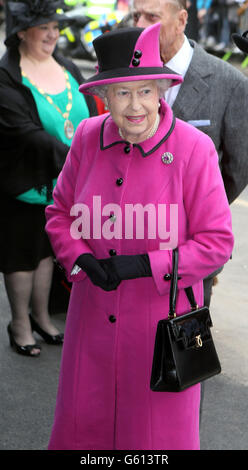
136,183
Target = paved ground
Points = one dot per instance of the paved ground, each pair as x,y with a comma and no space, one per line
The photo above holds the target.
28,386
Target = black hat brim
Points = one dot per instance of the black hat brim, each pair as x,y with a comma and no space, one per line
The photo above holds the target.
62,20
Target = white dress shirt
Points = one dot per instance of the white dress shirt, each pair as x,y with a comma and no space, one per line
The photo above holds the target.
179,64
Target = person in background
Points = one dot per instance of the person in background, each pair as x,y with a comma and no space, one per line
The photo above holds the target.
192,27
135,159
213,96
40,109
241,41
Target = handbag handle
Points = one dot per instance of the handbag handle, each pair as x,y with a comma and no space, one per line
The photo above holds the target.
173,288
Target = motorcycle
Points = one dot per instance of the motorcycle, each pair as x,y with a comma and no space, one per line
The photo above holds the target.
76,41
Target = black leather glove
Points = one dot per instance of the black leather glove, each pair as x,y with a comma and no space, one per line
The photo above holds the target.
125,267
98,276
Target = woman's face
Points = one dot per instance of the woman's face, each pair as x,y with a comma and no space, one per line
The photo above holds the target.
40,41
134,107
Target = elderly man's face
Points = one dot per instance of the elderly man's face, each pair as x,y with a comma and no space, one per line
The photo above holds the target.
172,18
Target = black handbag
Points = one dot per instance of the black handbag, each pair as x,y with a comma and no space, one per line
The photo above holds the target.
184,351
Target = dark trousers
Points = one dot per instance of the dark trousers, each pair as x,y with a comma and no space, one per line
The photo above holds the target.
207,287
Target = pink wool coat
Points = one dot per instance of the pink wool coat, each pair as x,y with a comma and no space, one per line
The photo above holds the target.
104,401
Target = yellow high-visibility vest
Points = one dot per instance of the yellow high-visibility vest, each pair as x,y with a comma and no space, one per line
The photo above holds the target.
97,8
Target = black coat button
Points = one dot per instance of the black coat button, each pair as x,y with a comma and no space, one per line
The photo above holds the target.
113,217
135,62
168,277
127,149
137,54
112,318
119,181
112,252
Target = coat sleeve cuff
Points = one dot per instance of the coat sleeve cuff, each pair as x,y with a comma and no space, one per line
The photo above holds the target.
76,276
73,272
161,266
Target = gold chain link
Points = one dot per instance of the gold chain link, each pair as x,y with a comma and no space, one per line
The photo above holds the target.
50,100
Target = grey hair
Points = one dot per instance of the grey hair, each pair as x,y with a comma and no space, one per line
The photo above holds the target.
182,4
99,90
162,83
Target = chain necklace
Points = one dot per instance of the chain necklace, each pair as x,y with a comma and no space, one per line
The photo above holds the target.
152,131
68,126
